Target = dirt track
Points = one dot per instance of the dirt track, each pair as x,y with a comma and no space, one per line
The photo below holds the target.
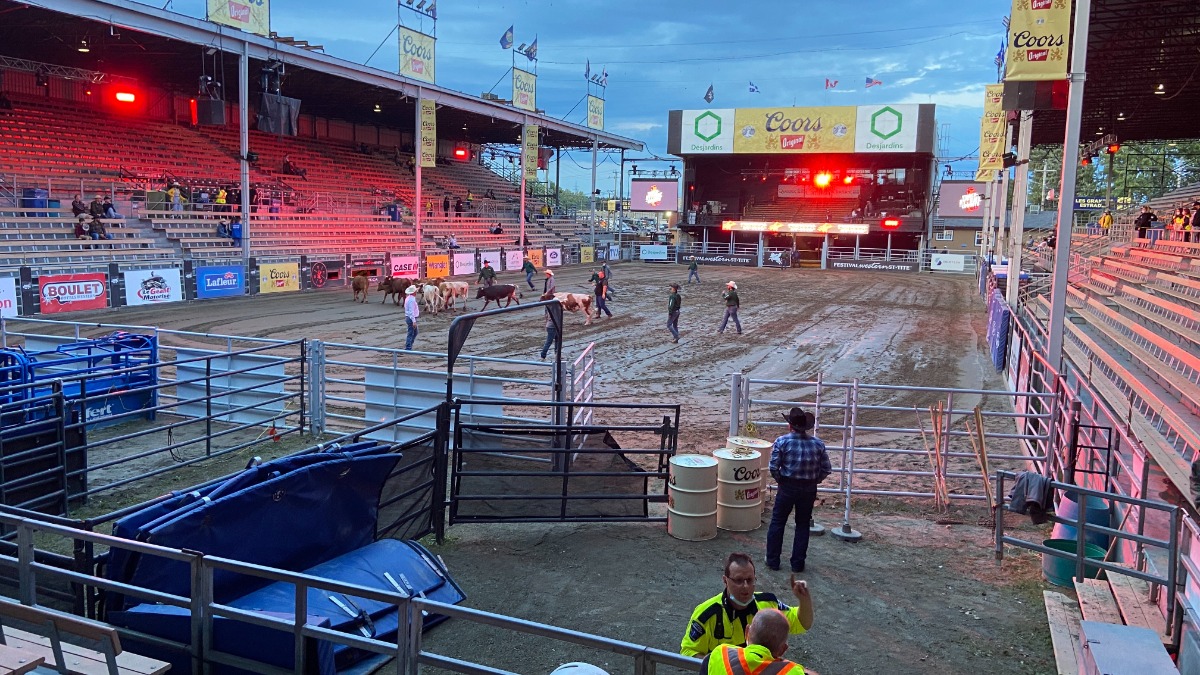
913,597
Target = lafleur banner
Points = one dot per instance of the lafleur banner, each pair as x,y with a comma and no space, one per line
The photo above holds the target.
1038,38
794,130
595,117
252,16
428,133
530,145
524,90
416,55
991,133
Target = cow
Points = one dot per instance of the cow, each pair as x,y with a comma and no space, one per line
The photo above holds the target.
432,296
360,284
452,290
394,286
576,302
497,293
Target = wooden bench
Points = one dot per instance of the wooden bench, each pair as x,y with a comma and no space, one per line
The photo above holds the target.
99,654
1062,613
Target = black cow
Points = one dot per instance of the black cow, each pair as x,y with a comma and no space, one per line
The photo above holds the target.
497,293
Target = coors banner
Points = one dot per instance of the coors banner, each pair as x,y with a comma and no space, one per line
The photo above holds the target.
428,149
1038,38
991,134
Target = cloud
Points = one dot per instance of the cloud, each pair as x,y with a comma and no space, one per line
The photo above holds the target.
969,97
636,127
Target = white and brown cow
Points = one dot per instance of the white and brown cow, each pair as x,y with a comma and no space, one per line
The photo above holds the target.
451,291
576,302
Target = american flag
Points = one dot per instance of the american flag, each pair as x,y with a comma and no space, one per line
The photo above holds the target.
872,82
999,60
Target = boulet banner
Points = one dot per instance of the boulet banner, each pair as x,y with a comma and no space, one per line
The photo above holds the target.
1038,40
529,144
252,16
73,292
428,150
595,112
524,86
278,277
417,52
437,266
991,133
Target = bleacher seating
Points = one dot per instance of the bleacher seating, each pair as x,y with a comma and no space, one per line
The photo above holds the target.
38,236
803,210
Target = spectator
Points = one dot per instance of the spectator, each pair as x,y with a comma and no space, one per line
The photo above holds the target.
470,197
458,208
1105,222
96,230
78,207
81,231
363,149
452,242
412,165
517,242
292,169
110,211
446,206
428,208
96,208
1144,221
1156,231
545,211
489,194
223,228
497,229
235,230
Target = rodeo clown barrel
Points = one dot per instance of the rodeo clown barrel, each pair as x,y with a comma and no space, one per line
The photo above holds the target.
739,489
692,498
745,444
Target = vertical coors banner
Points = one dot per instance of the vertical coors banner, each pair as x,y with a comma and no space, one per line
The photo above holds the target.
1038,40
595,117
428,150
73,292
991,134
530,157
524,90
416,55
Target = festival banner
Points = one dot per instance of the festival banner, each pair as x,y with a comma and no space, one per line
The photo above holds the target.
464,263
8,296
221,281
991,133
492,257
514,259
405,266
524,86
553,257
530,148
437,266
1038,39
417,55
428,150
535,256
595,110
252,16
587,254
151,287
794,130
886,128
73,292
278,277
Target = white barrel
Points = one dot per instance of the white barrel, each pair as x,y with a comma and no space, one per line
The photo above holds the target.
692,498
739,489
747,443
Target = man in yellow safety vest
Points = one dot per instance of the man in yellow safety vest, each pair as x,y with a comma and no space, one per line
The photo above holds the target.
763,655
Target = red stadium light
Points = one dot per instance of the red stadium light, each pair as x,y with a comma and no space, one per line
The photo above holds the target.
462,154
1086,161
848,180
1113,148
890,223
822,179
126,96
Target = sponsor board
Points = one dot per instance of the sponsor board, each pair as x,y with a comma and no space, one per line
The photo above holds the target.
428,150
874,265
252,16
778,258
740,259
278,277
707,131
529,150
1038,37
553,257
652,252
220,281
794,130
150,287
535,257
1100,203
961,199
653,195
992,135
492,257
614,251
813,192
587,254
417,55
404,266
514,260
886,128
8,296
73,292
437,266
524,86
947,262
595,108
464,263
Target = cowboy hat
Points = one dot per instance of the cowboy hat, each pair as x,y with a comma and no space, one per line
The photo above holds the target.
797,418
731,285
410,290
549,273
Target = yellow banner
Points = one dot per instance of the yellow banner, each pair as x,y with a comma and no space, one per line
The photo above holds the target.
417,55
535,256
428,151
794,130
1038,40
992,133
278,277
437,266
530,147
595,118
587,254
252,16
524,90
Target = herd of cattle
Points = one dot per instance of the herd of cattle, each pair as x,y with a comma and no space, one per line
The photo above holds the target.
443,295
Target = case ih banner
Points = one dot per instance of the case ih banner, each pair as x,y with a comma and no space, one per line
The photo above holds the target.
73,292
742,259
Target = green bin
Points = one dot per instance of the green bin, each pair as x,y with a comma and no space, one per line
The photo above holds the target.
1061,571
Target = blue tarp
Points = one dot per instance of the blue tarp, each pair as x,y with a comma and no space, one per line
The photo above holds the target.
997,329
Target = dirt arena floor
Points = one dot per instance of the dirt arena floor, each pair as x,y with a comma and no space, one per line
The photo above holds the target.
919,594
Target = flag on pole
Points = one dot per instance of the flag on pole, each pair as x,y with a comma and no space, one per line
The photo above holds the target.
708,95
506,40
999,60
753,88
830,84
1005,21
604,77
872,82
587,70
531,52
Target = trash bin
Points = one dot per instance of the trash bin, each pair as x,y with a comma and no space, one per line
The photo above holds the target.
35,198
235,231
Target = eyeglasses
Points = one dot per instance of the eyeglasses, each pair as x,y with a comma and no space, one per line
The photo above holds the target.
740,581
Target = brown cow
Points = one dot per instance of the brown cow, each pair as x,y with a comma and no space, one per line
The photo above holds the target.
497,293
576,302
362,285
394,286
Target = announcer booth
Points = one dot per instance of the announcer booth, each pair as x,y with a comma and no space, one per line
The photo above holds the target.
854,178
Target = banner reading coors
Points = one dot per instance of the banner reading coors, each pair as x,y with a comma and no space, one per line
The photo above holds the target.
428,156
529,147
252,16
794,130
524,90
416,55
595,118
1038,38
991,133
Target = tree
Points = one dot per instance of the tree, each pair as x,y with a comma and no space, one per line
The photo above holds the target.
1141,171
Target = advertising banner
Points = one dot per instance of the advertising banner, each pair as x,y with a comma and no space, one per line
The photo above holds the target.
652,252
961,199
535,257
587,254
428,151
404,266
148,287
524,86
886,128
654,194
437,266
991,133
417,55
492,257
740,259
707,131
614,252
553,257
794,130
252,16
777,258
73,292
874,265
278,277
1100,203
464,263
221,281
8,296
947,262
811,192
1038,38
595,118
513,260
529,145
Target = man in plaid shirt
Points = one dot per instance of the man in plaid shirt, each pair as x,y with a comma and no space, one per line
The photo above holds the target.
799,463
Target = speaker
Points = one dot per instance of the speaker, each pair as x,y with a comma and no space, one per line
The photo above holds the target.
210,112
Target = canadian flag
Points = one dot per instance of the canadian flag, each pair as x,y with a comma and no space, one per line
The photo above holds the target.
830,84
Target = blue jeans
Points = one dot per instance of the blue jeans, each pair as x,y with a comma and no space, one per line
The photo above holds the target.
730,312
798,495
601,306
412,333
550,335
693,273
673,324
529,279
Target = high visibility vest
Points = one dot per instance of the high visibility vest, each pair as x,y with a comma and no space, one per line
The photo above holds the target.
751,660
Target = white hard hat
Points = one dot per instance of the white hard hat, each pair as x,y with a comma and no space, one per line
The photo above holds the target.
577,668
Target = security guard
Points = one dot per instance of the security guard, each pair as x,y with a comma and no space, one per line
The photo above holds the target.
722,620
762,656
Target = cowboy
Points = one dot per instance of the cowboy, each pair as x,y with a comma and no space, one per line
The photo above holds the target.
732,302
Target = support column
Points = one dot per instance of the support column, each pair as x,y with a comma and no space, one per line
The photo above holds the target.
419,203
244,145
1002,208
1020,206
521,215
592,194
985,243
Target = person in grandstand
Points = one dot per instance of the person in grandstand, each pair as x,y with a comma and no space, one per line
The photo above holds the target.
78,207
724,618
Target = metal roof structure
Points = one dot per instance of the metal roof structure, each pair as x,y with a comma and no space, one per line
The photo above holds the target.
167,49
